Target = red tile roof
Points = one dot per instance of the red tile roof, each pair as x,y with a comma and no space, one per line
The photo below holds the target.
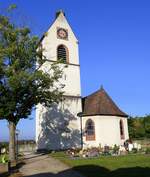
100,103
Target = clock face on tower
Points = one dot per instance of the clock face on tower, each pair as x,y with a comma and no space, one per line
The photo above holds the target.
62,33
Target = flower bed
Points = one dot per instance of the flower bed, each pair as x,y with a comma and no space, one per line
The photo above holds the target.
103,151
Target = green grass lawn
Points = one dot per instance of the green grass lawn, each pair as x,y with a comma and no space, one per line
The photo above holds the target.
108,166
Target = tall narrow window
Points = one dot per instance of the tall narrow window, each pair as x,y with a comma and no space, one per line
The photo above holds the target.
62,53
90,130
121,130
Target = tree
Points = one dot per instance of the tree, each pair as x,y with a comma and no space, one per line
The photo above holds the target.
131,127
22,84
146,122
139,127
136,127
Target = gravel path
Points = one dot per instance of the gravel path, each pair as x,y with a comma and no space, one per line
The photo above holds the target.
37,165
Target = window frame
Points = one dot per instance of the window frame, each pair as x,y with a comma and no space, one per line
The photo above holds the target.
92,136
67,53
121,128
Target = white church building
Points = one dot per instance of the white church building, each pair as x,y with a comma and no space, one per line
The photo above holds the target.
75,122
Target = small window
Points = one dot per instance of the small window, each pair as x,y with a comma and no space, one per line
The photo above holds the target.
62,53
121,130
90,130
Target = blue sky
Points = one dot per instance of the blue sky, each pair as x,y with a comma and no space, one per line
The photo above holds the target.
114,48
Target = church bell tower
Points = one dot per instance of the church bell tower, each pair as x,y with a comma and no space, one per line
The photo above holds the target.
58,127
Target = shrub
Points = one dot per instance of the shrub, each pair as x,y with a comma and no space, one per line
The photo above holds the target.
3,158
147,151
115,149
134,150
3,145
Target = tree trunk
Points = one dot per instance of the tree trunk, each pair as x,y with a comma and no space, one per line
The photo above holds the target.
12,142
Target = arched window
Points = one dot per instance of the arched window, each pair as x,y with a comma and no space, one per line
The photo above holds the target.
62,53
90,130
121,129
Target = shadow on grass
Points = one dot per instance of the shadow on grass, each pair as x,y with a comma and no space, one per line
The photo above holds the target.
97,171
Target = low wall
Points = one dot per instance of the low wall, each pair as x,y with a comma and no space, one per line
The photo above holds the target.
31,147
145,143
23,146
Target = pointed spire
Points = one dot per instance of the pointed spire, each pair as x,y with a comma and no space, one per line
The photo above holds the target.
60,12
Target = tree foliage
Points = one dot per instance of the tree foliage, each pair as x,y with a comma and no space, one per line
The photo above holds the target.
139,127
22,85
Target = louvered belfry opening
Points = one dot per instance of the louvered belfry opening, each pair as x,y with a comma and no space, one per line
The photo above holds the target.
62,53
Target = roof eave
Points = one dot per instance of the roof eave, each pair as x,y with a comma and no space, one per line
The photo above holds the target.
84,115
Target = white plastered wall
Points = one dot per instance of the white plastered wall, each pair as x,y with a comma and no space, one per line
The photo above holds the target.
59,127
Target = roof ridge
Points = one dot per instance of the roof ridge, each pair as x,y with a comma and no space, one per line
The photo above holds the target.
101,88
